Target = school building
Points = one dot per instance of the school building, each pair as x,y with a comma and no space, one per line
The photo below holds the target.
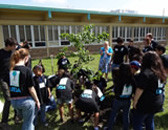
41,27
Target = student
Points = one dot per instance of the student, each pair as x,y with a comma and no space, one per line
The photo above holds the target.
27,46
123,89
152,43
55,79
64,95
160,50
120,54
135,67
149,95
42,86
63,63
133,50
5,54
106,53
147,47
88,103
21,88
100,82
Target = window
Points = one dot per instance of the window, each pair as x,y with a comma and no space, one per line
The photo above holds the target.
56,33
136,33
159,33
28,33
5,32
163,33
50,33
129,33
114,33
142,33
13,31
36,33
22,33
42,33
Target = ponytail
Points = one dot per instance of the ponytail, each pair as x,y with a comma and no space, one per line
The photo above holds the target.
17,56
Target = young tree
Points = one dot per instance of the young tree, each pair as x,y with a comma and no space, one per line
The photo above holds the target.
79,41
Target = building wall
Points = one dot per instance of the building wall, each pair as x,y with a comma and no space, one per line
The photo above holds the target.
36,18
94,49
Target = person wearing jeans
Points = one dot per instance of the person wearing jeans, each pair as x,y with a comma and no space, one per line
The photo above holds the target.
106,53
21,88
118,105
149,94
139,118
25,108
123,89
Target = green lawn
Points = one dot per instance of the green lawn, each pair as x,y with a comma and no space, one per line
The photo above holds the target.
53,117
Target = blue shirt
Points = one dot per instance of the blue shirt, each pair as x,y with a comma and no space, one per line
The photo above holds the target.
108,51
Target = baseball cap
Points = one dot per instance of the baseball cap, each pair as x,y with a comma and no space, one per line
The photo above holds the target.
135,64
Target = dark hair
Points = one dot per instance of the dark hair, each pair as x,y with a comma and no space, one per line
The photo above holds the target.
124,73
10,42
120,40
37,67
152,61
26,45
161,48
137,57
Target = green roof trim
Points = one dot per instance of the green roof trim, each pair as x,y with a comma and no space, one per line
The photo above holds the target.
80,11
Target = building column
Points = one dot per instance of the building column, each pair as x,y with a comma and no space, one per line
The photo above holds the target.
47,41
1,37
110,35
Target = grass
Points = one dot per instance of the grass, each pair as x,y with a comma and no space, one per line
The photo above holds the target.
53,116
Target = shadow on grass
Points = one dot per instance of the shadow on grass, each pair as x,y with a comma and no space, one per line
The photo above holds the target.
161,121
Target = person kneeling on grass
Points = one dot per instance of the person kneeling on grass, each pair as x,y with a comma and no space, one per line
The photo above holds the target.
88,102
64,95
42,85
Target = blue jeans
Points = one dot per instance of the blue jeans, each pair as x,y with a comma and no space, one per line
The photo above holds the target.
114,66
42,114
51,105
139,118
26,109
118,105
104,65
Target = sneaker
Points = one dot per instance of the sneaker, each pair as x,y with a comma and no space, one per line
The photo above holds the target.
96,128
81,120
105,128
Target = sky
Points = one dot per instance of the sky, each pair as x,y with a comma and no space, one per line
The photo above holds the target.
147,7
